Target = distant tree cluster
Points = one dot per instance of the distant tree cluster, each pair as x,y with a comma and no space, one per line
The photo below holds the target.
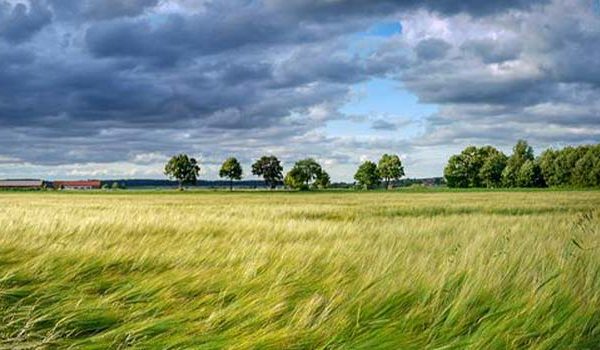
114,186
488,167
370,175
305,174
571,166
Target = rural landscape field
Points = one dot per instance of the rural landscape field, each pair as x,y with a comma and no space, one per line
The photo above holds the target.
325,270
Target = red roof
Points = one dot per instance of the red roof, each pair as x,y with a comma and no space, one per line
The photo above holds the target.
86,183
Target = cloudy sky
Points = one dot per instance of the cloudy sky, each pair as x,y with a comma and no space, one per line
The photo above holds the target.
111,88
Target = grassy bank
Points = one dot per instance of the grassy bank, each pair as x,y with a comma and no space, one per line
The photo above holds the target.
334,270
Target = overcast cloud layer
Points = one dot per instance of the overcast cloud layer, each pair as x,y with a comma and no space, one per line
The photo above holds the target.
110,88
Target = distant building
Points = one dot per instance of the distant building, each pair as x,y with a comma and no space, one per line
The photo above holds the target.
21,184
77,185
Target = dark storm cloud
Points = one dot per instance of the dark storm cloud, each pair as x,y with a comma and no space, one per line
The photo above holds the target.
493,51
253,23
325,9
100,10
432,49
105,81
181,36
20,21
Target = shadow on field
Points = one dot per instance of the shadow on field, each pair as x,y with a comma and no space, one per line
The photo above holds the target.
350,215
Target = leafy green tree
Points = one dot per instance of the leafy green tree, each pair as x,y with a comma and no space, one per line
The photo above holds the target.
367,175
304,172
116,186
323,180
491,170
565,163
548,167
231,169
182,168
587,169
522,152
293,180
563,166
469,168
390,169
269,167
456,173
530,175
473,160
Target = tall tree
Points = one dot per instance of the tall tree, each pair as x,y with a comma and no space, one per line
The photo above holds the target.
367,175
269,167
456,173
490,173
232,170
293,180
474,167
390,169
587,169
522,152
182,168
530,175
303,172
323,180
547,165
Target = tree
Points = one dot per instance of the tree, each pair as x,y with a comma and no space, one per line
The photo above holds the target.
530,175
491,170
303,172
486,166
587,169
232,170
323,180
270,169
390,168
455,172
294,181
182,168
367,175
522,152
548,168
475,167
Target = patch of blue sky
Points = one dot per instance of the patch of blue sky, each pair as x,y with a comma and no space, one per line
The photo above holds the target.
366,42
381,99
385,29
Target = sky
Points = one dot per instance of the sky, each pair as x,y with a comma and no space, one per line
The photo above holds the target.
113,88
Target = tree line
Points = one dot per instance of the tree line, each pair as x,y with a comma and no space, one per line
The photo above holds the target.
304,175
488,167
474,167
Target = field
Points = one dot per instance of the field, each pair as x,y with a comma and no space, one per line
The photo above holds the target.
203,270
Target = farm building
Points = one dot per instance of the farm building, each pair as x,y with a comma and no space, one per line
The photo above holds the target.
21,184
77,185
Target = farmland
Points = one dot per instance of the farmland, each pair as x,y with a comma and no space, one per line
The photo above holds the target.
212,270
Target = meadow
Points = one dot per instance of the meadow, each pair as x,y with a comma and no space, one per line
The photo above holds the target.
204,270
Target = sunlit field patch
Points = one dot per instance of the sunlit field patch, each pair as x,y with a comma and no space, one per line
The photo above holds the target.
264,270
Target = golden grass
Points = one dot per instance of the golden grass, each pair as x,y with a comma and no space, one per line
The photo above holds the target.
305,271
